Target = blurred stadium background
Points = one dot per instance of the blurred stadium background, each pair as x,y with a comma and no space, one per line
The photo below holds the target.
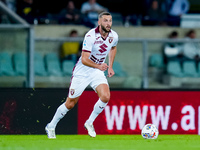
139,61
32,71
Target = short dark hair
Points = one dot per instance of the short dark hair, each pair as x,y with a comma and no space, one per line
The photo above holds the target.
73,32
190,32
104,13
173,34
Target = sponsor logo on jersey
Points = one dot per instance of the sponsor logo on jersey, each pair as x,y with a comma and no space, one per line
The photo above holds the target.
110,39
103,48
100,54
98,42
96,60
72,91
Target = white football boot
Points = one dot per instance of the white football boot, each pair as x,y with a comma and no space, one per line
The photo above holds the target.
50,132
90,129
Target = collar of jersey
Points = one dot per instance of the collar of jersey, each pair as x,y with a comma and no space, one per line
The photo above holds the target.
97,31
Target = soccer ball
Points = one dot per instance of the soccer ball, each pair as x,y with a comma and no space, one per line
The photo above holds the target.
149,131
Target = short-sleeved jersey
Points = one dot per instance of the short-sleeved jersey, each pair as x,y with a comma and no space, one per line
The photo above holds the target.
98,49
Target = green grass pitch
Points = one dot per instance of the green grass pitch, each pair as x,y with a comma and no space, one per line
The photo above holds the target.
101,142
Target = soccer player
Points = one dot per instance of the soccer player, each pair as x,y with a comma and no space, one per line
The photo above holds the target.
89,70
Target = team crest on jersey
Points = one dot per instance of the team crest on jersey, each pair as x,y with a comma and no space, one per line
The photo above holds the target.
72,91
110,39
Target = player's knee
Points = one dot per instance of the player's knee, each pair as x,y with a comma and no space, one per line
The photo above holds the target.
70,104
105,98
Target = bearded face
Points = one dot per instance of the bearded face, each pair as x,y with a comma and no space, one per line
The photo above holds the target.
105,23
105,28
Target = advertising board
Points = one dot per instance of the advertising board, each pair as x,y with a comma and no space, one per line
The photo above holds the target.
173,112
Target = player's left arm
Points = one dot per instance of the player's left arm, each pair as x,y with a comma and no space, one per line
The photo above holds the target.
112,54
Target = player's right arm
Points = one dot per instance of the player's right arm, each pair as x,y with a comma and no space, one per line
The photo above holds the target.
86,61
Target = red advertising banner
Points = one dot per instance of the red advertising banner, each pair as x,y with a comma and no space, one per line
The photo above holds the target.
173,112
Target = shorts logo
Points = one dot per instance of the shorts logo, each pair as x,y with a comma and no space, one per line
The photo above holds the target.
72,91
